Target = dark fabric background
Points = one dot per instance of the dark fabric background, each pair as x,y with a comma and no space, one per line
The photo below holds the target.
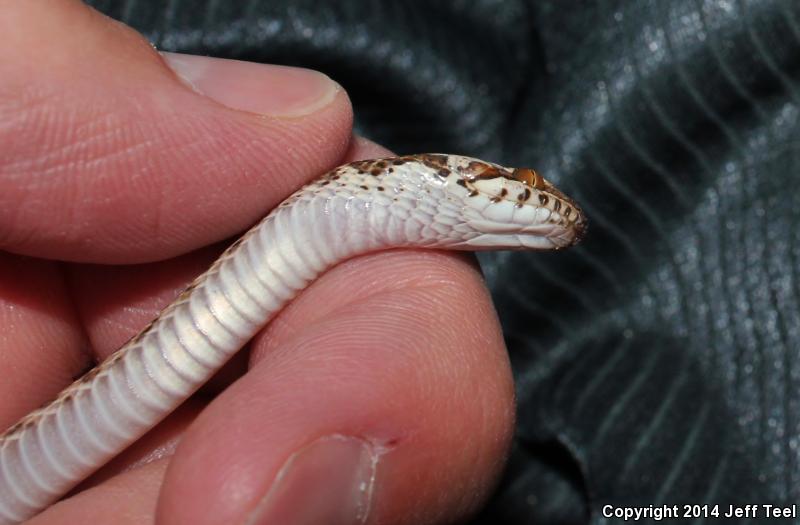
658,362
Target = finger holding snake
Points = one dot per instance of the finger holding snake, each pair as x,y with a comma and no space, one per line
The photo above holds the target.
359,370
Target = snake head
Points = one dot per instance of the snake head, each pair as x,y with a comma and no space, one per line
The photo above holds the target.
439,200
514,208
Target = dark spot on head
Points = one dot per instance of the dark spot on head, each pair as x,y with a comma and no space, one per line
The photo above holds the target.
381,164
473,193
361,172
556,205
567,211
461,182
433,161
391,170
363,187
527,194
335,177
324,183
503,192
434,158
398,162
543,199
443,172
495,200
380,188
375,171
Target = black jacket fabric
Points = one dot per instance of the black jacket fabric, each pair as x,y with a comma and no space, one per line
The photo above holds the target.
657,363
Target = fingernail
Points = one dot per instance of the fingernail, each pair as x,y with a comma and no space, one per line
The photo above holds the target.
278,91
329,481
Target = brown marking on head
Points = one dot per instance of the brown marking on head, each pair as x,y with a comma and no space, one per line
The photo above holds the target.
473,193
361,164
380,188
529,177
363,187
543,199
503,192
433,161
433,158
375,172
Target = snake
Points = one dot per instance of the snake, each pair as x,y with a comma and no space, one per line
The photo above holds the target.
435,201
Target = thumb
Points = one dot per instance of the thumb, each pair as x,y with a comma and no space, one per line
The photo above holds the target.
112,152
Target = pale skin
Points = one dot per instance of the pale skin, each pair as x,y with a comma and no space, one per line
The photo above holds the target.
119,183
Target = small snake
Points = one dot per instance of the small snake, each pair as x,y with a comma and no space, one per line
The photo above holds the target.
429,200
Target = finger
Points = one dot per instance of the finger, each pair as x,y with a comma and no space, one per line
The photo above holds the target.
113,153
42,346
128,499
384,389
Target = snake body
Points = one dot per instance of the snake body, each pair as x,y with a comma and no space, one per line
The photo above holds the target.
428,200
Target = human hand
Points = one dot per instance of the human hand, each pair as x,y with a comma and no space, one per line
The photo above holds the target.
117,183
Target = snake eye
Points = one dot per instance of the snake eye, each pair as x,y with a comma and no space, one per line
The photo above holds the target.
529,177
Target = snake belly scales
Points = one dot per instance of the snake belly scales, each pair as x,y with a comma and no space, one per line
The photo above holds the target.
420,201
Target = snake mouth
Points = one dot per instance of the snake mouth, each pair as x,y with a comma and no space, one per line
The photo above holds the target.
581,227
571,236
